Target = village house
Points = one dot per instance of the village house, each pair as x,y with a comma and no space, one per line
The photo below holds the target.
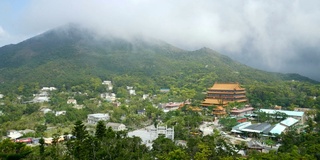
110,97
116,126
45,110
58,113
72,101
95,118
48,89
108,84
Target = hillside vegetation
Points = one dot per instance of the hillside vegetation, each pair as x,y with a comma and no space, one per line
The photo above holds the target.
71,55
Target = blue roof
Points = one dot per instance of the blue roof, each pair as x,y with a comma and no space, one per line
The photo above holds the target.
278,129
289,121
289,113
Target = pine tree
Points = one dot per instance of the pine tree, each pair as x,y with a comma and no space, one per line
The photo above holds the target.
101,130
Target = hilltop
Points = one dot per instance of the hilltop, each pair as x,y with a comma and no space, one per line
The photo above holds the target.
71,55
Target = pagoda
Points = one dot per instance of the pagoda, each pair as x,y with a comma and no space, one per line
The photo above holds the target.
219,111
220,94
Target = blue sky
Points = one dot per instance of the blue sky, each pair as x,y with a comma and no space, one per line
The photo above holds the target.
273,35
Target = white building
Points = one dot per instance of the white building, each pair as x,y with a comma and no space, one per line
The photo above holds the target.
48,89
72,101
111,97
108,84
45,110
164,130
1,96
95,118
13,134
58,113
132,92
116,126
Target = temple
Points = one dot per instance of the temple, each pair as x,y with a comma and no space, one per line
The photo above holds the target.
220,94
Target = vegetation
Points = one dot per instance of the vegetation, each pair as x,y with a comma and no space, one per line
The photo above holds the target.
79,62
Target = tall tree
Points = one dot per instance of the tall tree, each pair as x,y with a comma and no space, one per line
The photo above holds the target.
101,130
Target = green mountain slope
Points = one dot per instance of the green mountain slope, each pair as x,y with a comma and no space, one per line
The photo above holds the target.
71,55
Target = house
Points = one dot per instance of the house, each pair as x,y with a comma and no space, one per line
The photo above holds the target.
95,118
58,113
42,97
164,90
129,87
110,97
116,126
45,110
72,101
224,93
132,92
145,96
13,134
48,89
108,84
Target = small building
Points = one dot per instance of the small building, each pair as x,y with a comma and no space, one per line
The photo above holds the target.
1,96
13,134
132,92
108,84
72,101
58,113
45,110
164,90
116,126
254,145
241,112
48,89
145,96
164,130
219,111
95,118
110,97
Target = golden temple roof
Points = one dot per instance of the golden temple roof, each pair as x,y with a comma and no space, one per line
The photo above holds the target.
226,86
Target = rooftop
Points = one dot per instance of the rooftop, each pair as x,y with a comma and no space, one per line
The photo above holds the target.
277,129
289,113
289,121
226,86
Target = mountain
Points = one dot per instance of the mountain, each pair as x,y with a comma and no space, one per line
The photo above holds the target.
72,55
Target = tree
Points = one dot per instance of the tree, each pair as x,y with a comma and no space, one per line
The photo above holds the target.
13,151
101,130
79,131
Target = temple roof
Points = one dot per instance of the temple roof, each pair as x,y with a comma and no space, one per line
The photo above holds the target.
214,101
226,86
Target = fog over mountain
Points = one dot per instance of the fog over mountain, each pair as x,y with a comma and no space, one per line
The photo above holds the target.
279,36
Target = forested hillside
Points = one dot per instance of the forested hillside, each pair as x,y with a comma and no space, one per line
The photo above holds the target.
71,55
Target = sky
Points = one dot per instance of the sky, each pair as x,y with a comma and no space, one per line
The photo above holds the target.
278,36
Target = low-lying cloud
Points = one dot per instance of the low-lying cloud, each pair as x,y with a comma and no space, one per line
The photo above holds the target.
279,36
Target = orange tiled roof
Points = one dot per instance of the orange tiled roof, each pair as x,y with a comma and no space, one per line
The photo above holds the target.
214,101
226,86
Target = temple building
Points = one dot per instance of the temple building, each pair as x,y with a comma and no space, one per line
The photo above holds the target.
219,111
220,94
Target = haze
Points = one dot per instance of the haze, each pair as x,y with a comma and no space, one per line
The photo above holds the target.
278,36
